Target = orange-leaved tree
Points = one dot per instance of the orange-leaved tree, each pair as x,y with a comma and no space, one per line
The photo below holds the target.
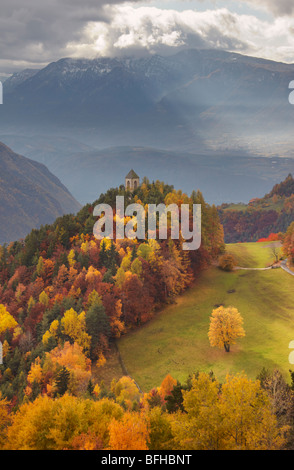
288,243
128,433
226,325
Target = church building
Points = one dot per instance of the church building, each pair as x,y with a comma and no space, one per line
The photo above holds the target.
132,181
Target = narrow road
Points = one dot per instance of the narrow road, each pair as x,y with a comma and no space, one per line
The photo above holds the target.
285,267
253,269
282,265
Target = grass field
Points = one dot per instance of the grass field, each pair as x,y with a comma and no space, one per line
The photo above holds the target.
175,341
266,204
254,255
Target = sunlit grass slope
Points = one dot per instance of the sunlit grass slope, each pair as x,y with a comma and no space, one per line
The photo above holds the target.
254,255
175,342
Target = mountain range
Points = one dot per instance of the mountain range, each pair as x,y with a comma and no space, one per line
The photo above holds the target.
199,119
193,100
30,196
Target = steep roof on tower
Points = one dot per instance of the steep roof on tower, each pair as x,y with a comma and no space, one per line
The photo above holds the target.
132,175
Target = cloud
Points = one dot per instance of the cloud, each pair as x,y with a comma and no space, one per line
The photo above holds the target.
36,32
140,30
277,7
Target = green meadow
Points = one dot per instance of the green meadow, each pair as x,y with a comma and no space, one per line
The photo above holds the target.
254,255
175,341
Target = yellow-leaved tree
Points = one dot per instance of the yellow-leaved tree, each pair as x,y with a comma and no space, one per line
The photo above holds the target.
236,415
7,321
4,418
74,326
63,423
125,391
226,325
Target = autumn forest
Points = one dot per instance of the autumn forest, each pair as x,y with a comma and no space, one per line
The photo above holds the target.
65,300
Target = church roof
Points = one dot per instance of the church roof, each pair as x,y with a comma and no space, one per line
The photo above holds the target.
132,175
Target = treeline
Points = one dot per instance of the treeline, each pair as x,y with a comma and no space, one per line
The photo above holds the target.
247,226
200,414
65,296
284,189
288,244
261,217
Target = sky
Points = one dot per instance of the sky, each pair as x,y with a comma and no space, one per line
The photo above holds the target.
34,33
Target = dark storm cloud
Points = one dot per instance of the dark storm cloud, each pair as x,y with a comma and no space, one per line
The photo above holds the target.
37,31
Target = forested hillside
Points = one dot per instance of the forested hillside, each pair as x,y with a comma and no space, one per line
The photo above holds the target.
271,214
65,297
65,294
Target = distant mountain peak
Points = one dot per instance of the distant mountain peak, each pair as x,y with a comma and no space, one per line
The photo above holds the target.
18,78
